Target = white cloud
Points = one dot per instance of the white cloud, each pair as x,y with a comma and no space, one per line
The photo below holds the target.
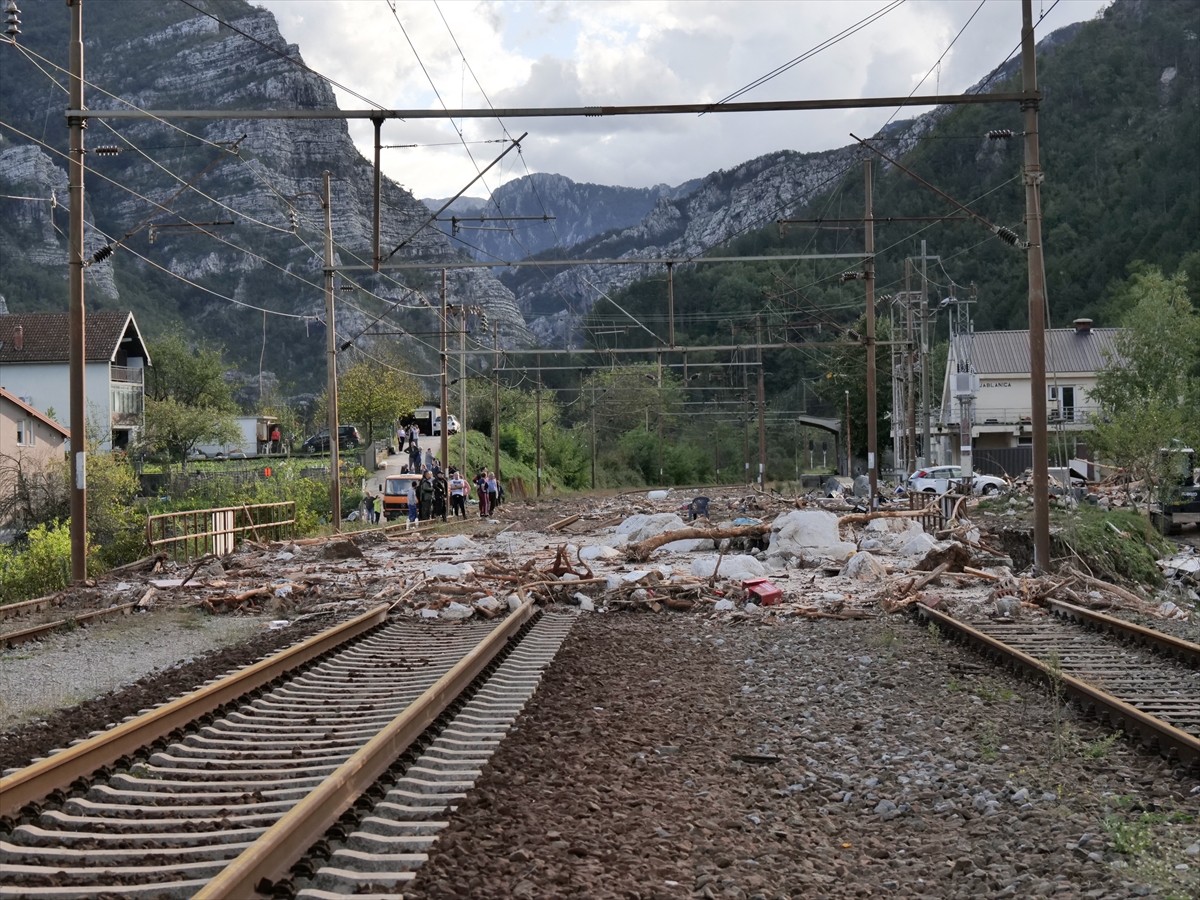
551,53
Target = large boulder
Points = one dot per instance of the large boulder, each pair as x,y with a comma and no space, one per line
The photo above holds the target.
641,526
735,568
808,532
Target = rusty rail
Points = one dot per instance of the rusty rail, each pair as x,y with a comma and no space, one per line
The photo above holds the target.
196,532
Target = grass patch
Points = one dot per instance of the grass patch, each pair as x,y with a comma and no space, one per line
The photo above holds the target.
1117,543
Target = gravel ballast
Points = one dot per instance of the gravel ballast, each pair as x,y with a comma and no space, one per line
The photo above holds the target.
670,756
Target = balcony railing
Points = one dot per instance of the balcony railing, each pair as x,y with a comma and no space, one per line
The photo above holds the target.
1013,417
126,374
128,403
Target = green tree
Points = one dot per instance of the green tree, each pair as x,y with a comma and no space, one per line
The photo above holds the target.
375,396
188,400
1149,391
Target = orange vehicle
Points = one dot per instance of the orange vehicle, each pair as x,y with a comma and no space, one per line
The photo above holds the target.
395,495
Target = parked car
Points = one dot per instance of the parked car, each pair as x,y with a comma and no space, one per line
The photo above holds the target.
940,479
348,439
452,428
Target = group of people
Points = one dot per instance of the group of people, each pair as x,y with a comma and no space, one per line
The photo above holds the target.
443,494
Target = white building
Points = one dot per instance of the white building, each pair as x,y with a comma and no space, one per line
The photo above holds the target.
35,367
1002,415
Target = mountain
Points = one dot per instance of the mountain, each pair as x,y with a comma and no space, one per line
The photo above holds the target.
1119,124
541,211
218,224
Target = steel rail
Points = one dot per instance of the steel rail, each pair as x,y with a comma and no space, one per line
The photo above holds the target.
1151,728
57,772
12,610
12,638
1181,649
271,856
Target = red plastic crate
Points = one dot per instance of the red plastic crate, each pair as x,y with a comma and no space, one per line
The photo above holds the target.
763,591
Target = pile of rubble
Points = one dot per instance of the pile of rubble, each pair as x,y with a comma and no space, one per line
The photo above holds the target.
755,556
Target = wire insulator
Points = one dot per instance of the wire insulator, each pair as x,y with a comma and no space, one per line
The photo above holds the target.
107,150
1000,134
103,253
1007,235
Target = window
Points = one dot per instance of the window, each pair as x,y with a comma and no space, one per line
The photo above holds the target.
25,432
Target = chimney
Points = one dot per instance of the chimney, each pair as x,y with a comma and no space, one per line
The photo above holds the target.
19,337
1083,326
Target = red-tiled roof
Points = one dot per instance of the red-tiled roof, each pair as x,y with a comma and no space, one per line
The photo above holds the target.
46,337
21,404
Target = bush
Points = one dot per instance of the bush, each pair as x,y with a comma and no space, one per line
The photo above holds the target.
41,567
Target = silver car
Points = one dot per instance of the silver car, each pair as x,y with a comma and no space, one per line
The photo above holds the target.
940,479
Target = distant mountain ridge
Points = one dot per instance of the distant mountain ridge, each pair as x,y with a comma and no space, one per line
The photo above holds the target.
577,211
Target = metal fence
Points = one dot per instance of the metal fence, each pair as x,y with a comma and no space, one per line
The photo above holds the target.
184,535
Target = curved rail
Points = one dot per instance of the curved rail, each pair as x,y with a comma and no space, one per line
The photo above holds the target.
1153,730
33,632
58,771
269,858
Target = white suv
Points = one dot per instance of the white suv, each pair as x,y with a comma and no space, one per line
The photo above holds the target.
940,479
452,428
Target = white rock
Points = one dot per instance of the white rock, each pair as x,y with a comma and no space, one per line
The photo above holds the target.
735,568
449,570
428,613
597,552
585,602
722,605
276,624
568,576
688,546
456,542
804,532
918,545
870,544
489,603
639,527
457,610
864,567
657,495
514,602
284,556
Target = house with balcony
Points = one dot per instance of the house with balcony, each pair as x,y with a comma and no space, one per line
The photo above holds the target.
35,351
993,388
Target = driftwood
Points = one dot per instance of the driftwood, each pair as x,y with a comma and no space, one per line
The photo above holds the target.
563,523
864,518
640,552
910,592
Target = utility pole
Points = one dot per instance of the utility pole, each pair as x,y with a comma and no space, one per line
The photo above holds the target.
1037,293
539,426
869,278
76,372
660,422
593,432
462,394
762,407
495,402
910,411
849,443
926,451
335,475
444,454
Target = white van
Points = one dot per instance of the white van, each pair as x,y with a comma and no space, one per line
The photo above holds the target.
429,421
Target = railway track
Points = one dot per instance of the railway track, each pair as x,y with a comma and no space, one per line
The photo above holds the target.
327,781
1143,681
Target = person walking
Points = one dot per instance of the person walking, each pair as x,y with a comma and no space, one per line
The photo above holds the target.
425,496
458,494
276,440
368,507
414,438
378,504
493,492
440,493
413,500
482,491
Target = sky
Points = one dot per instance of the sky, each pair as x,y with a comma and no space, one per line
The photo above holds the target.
460,54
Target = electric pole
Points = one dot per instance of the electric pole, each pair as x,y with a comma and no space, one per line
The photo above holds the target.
869,278
762,407
76,371
445,437
335,475
1037,293
926,451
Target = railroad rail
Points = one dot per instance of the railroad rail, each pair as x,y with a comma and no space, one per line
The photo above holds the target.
1146,682
230,806
33,632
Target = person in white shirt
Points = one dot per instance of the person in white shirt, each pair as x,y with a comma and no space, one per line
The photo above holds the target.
458,494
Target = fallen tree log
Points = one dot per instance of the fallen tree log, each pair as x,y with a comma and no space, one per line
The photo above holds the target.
640,552
864,518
